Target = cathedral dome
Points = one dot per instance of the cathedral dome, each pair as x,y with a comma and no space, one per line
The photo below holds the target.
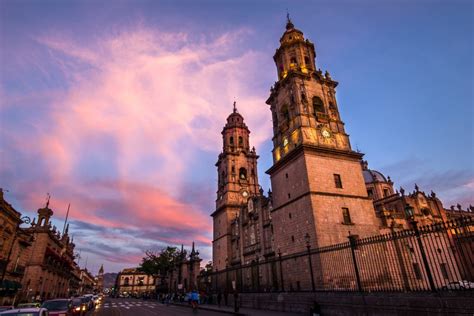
373,176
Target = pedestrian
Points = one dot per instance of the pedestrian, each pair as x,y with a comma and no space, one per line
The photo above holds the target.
219,298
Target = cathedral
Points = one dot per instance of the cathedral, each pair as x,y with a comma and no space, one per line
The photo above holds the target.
322,190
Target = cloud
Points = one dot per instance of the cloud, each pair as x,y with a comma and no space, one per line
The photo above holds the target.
127,136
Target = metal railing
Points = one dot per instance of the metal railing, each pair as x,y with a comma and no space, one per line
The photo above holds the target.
437,257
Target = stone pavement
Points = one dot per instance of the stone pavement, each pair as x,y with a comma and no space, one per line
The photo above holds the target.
242,311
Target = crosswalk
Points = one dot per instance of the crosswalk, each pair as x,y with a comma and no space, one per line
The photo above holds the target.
128,305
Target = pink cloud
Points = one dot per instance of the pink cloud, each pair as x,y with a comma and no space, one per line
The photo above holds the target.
140,109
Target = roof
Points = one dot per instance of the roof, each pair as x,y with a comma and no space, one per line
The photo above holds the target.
373,176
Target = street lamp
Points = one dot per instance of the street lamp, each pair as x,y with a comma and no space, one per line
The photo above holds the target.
308,247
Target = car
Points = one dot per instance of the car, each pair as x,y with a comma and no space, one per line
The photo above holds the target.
29,305
79,306
26,312
5,308
58,307
88,301
459,285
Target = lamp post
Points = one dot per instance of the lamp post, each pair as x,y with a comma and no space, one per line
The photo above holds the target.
308,246
409,212
281,271
25,220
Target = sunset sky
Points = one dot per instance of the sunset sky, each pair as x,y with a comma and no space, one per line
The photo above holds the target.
117,106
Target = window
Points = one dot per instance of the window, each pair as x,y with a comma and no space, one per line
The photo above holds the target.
126,282
289,195
386,192
337,181
370,193
289,215
241,141
243,173
231,140
293,238
306,61
233,169
293,60
286,175
285,113
417,270
444,270
346,216
318,105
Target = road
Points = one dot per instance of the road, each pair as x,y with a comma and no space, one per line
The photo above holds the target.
136,307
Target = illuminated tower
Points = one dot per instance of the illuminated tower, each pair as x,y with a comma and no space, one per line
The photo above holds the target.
237,181
317,182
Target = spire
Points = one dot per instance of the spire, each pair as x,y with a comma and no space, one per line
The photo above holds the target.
235,107
48,197
101,270
289,24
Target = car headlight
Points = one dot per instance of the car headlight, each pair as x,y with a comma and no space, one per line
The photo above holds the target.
78,309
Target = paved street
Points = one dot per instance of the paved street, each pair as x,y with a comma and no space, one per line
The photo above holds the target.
136,307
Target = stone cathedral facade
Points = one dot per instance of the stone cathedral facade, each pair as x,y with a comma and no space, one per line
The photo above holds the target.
322,188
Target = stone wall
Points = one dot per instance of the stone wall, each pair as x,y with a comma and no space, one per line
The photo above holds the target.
341,304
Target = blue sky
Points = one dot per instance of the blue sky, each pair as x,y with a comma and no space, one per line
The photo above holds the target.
117,106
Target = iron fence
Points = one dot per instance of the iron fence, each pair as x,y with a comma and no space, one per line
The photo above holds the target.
437,257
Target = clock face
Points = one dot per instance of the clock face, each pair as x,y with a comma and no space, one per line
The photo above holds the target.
326,133
245,194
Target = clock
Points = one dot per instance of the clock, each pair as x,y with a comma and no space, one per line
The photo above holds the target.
245,194
326,133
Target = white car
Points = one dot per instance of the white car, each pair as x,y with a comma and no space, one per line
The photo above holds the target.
459,285
26,312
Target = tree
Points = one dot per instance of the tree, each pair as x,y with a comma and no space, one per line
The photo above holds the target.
160,264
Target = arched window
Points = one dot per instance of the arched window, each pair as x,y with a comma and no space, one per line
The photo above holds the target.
293,60
243,173
285,113
306,61
318,105
231,140
241,141
126,281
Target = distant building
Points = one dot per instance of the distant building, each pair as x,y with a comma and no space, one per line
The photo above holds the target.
99,280
182,278
87,283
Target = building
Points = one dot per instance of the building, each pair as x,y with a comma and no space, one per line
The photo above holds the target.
13,242
181,278
87,282
322,190
99,280
49,261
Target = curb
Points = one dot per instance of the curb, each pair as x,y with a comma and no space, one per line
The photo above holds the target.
210,309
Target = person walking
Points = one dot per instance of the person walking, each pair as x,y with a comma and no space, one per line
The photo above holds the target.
195,300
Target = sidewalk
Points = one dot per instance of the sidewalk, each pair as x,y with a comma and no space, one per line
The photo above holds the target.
242,311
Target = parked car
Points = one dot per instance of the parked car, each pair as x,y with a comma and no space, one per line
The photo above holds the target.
459,285
5,308
58,307
79,306
26,312
29,305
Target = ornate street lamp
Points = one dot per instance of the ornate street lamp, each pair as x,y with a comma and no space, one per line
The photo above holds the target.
308,247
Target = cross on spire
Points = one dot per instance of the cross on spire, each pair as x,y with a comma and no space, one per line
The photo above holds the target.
235,106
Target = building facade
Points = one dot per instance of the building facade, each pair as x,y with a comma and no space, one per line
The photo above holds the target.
322,190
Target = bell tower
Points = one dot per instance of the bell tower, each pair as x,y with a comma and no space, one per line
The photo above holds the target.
317,182
237,181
